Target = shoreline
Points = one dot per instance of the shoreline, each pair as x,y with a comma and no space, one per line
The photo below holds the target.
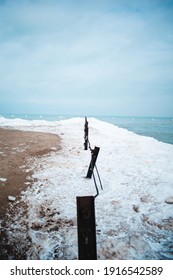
159,128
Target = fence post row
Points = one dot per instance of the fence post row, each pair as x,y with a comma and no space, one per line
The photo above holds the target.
86,225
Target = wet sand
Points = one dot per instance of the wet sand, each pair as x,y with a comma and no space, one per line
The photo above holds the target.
16,148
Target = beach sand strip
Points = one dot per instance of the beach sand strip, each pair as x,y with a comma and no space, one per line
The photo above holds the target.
17,149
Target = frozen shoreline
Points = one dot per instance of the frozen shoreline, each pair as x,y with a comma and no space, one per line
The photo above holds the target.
134,221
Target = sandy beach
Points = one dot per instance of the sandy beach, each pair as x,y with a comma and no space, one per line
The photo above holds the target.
17,148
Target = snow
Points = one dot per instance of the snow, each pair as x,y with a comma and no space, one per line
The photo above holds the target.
134,215
3,179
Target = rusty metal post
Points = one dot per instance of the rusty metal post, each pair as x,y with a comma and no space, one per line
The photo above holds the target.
94,155
86,228
86,134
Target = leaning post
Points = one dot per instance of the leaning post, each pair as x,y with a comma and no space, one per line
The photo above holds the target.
94,155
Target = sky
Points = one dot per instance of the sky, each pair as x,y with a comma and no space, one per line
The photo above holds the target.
89,57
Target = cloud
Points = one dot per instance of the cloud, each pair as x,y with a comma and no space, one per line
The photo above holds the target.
112,52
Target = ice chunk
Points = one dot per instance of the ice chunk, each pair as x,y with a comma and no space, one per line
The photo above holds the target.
11,198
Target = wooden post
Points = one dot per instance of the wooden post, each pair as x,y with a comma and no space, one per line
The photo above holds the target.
86,134
93,161
86,228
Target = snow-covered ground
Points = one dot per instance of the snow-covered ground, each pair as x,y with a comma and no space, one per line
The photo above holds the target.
134,211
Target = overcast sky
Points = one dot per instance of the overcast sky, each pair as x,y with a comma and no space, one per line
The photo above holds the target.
104,57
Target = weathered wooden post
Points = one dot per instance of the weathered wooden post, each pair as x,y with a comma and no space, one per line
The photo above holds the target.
86,228
86,134
94,154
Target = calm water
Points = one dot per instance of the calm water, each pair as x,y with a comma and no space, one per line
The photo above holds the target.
159,128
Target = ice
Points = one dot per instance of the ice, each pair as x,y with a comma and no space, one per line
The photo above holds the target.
11,198
134,211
